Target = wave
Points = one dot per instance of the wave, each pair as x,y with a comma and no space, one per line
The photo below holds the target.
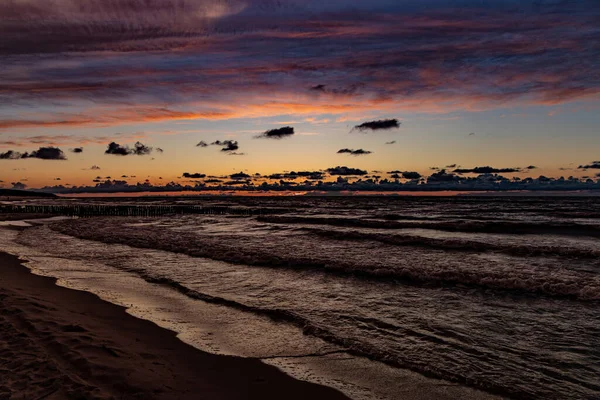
349,345
460,245
531,280
503,227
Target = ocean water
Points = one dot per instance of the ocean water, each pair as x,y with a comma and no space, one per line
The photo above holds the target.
498,294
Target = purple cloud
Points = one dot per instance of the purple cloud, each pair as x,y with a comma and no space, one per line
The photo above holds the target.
199,56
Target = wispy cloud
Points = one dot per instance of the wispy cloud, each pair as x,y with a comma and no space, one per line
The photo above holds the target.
103,57
228,146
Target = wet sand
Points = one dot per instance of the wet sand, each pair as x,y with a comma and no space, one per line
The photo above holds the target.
59,343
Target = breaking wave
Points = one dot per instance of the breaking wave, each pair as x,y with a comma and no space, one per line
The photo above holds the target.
336,256
460,245
350,345
508,227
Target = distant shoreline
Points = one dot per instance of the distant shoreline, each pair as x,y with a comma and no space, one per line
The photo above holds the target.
216,194
429,193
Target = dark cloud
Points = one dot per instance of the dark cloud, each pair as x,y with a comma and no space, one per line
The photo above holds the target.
358,152
213,181
318,88
228,145
346,171
141,149
77,150
117,149
193,176
10,155
159,150
530,167
18,185
239,175
404,174
138,149
94,167
382,124
451,166
443,176
312,175
592,165
47,153
278,133
43,153
202,143
485,170
411,175
392,142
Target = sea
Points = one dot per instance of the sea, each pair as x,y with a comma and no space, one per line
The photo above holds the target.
378,296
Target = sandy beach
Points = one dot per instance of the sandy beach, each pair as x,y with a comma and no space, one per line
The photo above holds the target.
58,343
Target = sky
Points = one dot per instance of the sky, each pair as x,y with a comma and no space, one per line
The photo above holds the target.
395,84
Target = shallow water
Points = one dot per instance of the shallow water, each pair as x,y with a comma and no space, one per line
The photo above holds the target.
498,294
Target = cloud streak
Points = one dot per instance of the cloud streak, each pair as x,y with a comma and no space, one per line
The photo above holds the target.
592,165
379,125
196,175
486,170
278,133
358,152
96,59
346,171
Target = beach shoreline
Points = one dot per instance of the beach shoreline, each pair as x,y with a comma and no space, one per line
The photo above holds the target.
63,343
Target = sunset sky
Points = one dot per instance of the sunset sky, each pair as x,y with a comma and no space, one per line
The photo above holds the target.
503,83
